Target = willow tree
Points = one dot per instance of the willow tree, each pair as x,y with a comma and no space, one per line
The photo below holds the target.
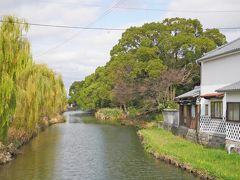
14,57
40,93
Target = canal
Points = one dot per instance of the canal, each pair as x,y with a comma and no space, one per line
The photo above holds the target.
87,151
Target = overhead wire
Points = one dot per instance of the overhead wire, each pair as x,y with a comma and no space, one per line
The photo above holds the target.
181,11
97,28
144,9
69,27
108,11
115,5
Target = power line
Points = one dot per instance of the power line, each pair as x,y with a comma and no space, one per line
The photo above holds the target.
97,28
69,27
181,11
144,9
108,11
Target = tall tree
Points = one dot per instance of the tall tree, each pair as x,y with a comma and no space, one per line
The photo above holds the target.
14,57
151,54
28,92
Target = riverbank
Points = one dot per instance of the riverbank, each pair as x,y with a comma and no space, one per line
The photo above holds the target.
201,161
17,138
116,116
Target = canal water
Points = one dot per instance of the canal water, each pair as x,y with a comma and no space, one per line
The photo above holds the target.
87,151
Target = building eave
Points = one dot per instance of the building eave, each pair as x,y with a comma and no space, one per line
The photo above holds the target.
229,53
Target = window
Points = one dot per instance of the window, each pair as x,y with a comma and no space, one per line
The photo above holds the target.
193,113
216,109
233,111
184,114
206,110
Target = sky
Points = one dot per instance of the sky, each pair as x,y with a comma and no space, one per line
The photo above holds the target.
76,53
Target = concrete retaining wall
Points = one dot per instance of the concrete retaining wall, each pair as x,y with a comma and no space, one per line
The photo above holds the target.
206,139
211,140
235,143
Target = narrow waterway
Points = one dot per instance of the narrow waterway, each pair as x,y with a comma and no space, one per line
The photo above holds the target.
77,150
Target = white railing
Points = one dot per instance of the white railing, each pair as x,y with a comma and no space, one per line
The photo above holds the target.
233,131
216,126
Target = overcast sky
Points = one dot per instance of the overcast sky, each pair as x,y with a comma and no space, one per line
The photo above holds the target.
77,53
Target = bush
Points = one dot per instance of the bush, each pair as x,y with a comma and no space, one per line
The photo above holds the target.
159,117
112,114
133,112
171,105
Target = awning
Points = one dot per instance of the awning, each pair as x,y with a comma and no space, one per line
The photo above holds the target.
193,94
234,87
212,95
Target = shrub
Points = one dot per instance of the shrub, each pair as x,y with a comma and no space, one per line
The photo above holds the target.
112,114
159,117
133,112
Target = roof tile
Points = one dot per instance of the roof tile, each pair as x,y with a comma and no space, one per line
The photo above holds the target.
230,47
232,87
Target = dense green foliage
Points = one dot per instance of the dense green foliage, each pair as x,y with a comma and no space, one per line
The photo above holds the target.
14,57
28,91
148,67
215,162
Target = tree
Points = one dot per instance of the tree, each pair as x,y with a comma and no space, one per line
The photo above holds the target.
160,56
14,57
28,92
40,93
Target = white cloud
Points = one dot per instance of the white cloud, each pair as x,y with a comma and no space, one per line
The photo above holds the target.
87,50
81,56
210,20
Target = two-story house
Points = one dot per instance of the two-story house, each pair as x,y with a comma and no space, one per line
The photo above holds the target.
219,97
220,92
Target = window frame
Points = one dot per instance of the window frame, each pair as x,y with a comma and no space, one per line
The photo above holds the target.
213,115
193,111
206,109
229,120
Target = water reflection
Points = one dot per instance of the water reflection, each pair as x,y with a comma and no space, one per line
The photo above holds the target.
77,150
37,160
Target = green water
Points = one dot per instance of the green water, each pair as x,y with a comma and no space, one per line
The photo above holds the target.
76,151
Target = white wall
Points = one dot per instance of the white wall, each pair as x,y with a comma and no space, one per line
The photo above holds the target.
203,102
219,72
233,97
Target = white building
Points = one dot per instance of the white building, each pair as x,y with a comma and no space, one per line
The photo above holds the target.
220,91
210,114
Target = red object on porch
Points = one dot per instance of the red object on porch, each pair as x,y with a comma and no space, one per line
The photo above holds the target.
212,95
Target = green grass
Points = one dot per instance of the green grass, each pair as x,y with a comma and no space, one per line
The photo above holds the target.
215,162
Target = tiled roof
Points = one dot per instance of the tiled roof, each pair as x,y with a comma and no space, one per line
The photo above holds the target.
191,94
232,87
230,47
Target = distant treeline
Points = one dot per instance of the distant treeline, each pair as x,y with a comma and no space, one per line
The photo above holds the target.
149,66
29,92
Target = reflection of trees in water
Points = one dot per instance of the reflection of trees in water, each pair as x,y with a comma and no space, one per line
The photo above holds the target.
38,158
87,151
79,117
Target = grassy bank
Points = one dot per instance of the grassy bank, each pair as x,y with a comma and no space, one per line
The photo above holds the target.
213,162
